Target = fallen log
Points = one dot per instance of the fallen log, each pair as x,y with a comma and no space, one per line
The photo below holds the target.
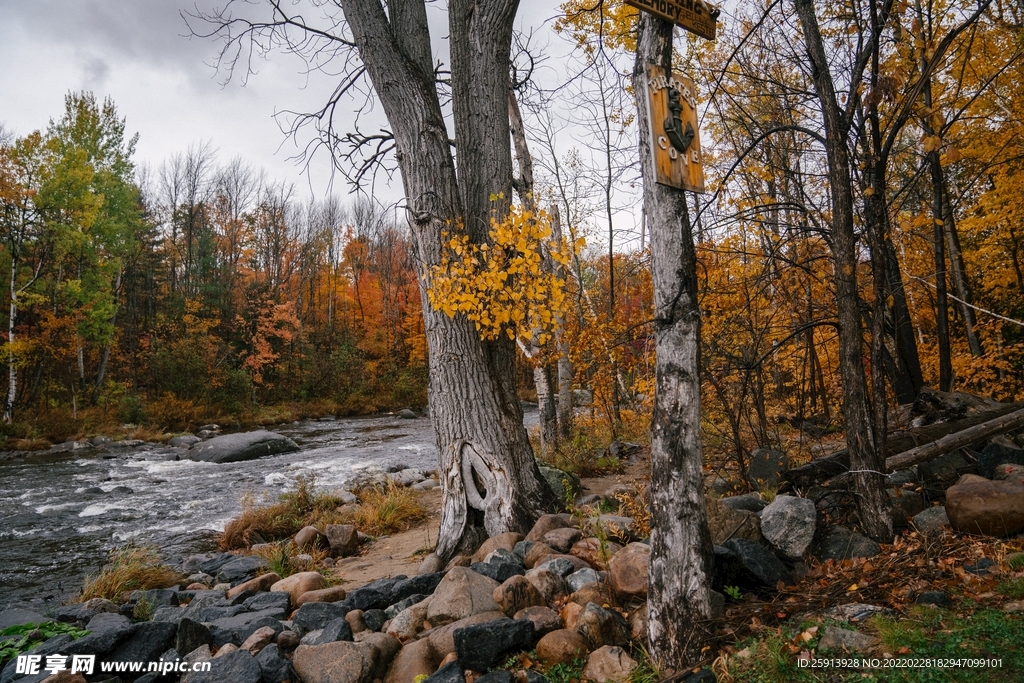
951,442
897,443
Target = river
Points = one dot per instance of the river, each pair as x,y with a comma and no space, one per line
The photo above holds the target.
61,514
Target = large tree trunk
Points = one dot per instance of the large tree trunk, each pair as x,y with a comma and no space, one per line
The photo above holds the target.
678,602
565,413
958,273
865,460
490,479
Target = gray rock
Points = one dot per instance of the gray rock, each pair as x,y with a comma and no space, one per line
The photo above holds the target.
407,477
170,614
937,598
751,502
581,578
184,441
237,667
209,609
275,668
191,635
334,631
107,631
600,626
558,565
148,641
931,520
449,673
499,571
18,617
276,600
940,473
239,627
316,615
765,468
242,568
997,454
401,605
520,551
836,638
338,662
461,593
900,477
241,447
842,544
343,539
743,563
501,555
481,646
430,564
788,524
374,619
904,504
855,612
156,597
407,414
726,521
565,485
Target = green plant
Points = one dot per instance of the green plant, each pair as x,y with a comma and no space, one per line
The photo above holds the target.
1013,589
143,610
571,672
734,593
33,635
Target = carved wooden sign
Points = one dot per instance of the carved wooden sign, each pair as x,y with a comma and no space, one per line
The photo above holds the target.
696,16
675,139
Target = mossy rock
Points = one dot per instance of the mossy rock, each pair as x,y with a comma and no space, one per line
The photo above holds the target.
565,485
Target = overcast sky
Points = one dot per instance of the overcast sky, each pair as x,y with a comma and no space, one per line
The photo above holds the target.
138,53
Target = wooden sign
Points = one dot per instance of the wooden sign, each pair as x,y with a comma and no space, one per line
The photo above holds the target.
696,16
675,139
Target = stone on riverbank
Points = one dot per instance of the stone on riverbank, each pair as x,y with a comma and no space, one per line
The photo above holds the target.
241,447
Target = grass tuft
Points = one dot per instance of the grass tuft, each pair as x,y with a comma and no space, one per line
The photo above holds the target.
279,520
131,568
386,509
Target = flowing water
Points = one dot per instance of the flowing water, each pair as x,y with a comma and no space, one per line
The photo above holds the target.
61,514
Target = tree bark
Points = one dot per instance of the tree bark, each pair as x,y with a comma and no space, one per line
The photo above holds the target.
678,602
565,413
490,479
958,274
872,501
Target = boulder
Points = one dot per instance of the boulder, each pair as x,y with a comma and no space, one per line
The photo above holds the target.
727,522
565,485
561,647
18,617
544,524
599,593
415,659
106,632
569,613
149,640
448,673
536,553
836,638
259,639
264,601
241,568
1009,471
237,667
310,537
298,584
239,627
548,583
583,577
788,524
995,454
482,646
355,620
261,583
558,564
746,564
904,505
240,447
765,468
617,526
931,520
409,622
430,565
337,662
316,615
442,639
386,648
595,552
517,593
498,570
941,472
288,640
191,635
330,594
407,414
343,539
638,619
506,541
544,619
609,663
977,505
627,572
275,667
842,544
602,626
184,441
338,629
461,593
751,502
374,619
562,539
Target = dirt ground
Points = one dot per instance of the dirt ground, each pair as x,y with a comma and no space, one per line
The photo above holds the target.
403,552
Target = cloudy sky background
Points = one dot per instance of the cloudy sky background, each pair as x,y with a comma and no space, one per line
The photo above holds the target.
139,53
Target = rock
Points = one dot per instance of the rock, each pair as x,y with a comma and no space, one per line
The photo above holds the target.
746,564
374,619
594,552
900,477
1009,471
559,565
979,568
448,673
343,539
237,667
442,639
941,472
521,549
147,642
550,584
18,617
517,593
788,525
599,593
460,594
298,584
501,555
609,663
482,646
499,571
536,553
330,594
85,611
937,598
978,505
266,601
191,634
562,539
430,564
386,648
184,441
627,572
638,620
727,522
407,414
259,639
355,620
836,638
562,647
565,485
259,584
241,568
275,668
407,477
240,447
717,604
288,640
717,484
931,519
839,543
496,676
65,677
337,662
583,577
107,631
226,649
751,502
239,627
316,615
854,612
544,524
415,659
409,622
338,629
995,454
617,526
765,468
904,505
311,537
602,626
544,619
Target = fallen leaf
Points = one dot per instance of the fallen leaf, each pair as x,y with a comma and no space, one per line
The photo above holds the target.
852,587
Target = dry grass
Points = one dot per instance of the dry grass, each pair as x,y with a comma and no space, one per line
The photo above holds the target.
279,520
151,434
636,503
384,510
27,444
283,559
131,568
